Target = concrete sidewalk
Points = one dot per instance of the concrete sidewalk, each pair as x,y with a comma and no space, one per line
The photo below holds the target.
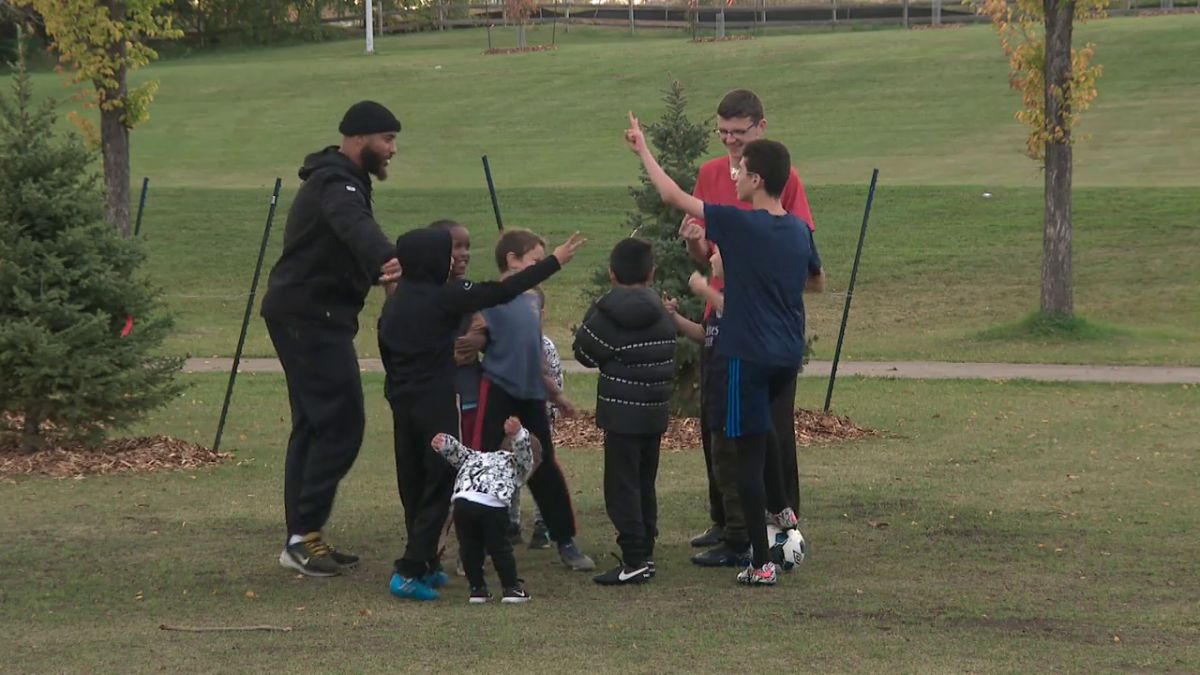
922,370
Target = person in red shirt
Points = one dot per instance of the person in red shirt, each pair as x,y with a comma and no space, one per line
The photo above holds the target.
740,120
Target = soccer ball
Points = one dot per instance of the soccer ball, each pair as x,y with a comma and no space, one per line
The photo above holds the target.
788,549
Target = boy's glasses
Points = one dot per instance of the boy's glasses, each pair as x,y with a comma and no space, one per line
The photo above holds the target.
734,133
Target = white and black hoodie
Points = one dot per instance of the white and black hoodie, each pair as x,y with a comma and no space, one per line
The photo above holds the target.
489,478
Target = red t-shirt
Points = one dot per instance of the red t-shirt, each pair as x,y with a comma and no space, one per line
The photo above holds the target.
715,186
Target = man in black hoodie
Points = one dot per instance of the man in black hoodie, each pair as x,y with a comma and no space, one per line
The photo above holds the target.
416,341
333,252
630,337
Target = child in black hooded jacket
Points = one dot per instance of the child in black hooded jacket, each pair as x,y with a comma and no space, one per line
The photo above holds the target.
416,342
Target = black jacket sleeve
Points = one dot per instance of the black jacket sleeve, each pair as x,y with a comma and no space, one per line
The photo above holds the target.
472,297
590,349
345,208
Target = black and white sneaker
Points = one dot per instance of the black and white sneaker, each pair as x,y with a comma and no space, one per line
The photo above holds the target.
652,570
624,574
347,561
515,594
480,595
311,557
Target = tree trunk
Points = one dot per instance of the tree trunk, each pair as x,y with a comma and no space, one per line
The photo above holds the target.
114,137
521,44
1057,297
31,440
114,141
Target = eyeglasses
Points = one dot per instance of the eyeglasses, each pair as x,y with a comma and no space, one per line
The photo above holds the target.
735,133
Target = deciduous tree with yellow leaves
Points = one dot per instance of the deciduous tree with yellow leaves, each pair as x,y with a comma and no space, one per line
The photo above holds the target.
101,42
1057,82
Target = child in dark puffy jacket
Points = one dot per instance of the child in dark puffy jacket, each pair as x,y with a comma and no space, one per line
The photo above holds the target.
630,337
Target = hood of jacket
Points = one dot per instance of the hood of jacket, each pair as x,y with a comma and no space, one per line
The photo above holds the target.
332,161
632,308
424,255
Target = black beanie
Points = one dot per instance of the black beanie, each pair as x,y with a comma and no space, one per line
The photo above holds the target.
368,117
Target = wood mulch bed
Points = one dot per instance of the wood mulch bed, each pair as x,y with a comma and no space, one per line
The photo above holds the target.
684,432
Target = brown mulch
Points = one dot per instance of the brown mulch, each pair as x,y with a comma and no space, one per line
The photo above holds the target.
684,432
118,455
521,50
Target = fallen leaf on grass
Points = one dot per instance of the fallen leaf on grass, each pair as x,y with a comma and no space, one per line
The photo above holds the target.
877,524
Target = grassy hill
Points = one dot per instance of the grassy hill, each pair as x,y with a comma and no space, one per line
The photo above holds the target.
931,109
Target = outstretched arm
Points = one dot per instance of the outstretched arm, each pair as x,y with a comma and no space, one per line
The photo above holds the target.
448,446
686,327
474,297
670,192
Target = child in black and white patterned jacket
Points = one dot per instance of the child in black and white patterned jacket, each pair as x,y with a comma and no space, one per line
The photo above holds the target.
483,491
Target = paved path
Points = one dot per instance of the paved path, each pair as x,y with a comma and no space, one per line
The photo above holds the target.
931,370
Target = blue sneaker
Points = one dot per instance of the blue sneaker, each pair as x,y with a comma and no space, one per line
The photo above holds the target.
435,579
411,589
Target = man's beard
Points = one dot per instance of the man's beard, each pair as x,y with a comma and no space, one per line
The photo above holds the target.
374,163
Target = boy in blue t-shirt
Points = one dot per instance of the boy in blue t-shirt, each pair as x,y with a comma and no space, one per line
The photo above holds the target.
770,259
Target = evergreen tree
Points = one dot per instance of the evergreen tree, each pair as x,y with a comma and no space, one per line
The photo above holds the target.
69,357
679,144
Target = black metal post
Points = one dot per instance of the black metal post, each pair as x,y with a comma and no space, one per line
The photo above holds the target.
862,235
237,355
137,229
487,171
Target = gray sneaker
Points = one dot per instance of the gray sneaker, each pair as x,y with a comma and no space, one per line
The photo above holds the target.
574,558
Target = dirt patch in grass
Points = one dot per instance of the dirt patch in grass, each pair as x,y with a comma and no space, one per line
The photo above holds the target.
684,432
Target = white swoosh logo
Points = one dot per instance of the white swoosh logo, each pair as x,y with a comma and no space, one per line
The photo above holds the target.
636,573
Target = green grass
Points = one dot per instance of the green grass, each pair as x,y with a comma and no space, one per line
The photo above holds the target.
926,107
1027,526
931,109
940,265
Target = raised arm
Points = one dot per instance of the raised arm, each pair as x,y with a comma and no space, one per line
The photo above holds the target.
671,193
474,297
448,446
686,327
702,290
522,451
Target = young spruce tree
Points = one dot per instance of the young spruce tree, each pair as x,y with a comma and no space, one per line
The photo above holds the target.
679,143
79,327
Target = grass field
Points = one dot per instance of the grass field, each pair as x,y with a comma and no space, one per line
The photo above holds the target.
926,290
992,527
943,267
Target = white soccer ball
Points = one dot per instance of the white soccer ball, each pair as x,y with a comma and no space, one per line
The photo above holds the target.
788,549
794,548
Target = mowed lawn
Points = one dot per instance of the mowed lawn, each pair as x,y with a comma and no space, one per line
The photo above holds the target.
943,262
941,265
991,527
